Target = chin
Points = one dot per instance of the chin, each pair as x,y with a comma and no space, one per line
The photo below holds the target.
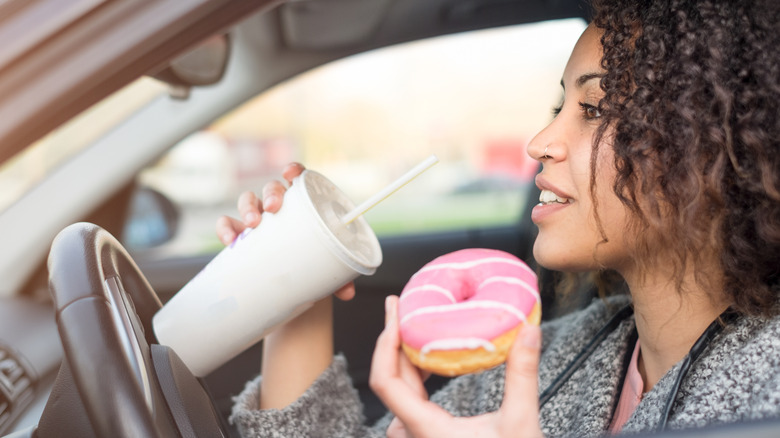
547,257
559,258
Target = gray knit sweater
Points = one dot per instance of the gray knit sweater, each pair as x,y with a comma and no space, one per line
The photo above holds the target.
736,378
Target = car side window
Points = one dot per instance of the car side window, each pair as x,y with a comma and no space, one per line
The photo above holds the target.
474,99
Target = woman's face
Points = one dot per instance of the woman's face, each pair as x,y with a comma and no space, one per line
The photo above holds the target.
569,236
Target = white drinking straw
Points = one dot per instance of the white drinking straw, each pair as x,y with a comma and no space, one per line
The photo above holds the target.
389,190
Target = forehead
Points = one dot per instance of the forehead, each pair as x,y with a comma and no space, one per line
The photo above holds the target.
585,58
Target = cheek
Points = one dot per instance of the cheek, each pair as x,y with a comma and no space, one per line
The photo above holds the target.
611,212
577,242
613,216
569,244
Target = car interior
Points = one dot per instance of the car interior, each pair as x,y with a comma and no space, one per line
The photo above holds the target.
87,255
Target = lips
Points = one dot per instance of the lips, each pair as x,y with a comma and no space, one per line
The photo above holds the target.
551,194
551,200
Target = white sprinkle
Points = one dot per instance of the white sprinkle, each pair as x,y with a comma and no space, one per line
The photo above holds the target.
511,280
474,304
428,287
473,263
457,344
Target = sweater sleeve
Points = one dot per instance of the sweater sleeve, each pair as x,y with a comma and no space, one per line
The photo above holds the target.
329,407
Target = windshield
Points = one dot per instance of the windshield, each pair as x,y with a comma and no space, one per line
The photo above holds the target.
474,99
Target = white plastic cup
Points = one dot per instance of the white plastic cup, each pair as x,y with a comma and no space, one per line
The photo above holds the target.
268,275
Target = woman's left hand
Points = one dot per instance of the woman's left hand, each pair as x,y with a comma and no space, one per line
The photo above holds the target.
400,387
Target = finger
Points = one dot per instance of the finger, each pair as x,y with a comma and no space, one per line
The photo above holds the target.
228,229
346,293
521,390
413,376
391,311
409,373
273,192
250,208
385,372
292,170
396,429
389,385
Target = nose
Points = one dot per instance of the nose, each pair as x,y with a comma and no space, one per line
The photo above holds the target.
548,144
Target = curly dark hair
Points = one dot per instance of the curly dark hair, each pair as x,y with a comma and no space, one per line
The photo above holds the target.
692,96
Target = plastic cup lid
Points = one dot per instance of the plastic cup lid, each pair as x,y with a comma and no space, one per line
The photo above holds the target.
355,243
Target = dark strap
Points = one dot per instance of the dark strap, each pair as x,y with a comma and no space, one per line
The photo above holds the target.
698,348
583,355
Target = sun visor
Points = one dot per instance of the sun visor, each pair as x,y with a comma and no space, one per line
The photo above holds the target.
319,24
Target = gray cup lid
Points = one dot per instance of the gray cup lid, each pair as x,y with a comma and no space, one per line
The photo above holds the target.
355,243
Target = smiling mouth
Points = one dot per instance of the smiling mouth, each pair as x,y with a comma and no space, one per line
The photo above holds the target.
547,197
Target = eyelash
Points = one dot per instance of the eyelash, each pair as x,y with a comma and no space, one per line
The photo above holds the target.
584,107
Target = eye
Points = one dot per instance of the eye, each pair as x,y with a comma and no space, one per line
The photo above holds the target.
557,110
590,111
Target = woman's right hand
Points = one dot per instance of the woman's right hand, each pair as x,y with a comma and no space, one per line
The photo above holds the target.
399,385
251,208
297,352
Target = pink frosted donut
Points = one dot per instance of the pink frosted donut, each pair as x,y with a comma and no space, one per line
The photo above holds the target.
460,312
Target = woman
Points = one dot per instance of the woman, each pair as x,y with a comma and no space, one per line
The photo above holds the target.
663,159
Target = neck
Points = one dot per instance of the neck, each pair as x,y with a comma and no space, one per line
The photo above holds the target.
669,322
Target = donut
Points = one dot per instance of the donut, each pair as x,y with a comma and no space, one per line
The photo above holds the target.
461,312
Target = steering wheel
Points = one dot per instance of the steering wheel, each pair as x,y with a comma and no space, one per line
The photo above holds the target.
128,385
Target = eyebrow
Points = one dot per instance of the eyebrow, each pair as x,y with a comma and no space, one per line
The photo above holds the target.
584,78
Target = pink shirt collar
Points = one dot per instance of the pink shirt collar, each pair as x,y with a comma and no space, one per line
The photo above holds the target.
631,395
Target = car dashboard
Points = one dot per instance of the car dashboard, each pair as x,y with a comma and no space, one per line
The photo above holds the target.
30,356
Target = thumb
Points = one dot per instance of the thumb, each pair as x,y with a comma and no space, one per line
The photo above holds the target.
521,390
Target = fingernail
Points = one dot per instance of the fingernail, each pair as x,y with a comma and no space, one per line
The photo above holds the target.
531,337
271,200
250,217
228,237
387,310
